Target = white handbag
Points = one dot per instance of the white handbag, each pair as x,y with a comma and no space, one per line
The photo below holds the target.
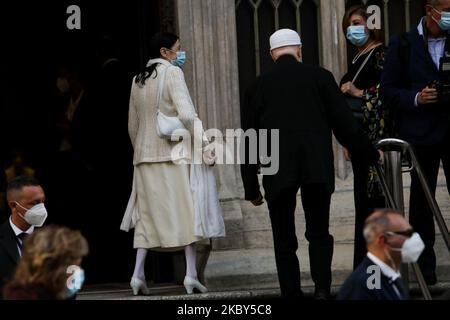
165,125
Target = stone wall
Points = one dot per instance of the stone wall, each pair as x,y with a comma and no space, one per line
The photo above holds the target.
245,257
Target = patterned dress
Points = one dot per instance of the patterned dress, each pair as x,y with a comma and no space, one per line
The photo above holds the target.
375,114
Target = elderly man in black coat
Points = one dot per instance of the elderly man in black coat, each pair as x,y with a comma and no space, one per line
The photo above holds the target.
305,105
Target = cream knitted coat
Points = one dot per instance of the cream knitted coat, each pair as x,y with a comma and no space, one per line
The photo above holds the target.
150,148
175,102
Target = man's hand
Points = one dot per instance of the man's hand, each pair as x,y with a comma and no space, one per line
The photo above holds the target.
427,96
259,201
350,89
209,157
381,160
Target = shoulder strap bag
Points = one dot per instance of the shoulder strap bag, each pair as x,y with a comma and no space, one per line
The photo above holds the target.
165,125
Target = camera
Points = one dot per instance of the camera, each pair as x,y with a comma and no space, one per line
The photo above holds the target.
443,84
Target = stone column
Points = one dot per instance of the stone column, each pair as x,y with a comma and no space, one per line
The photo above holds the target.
334,58
207,30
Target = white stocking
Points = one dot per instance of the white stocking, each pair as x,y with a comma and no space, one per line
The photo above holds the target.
139,269
191,261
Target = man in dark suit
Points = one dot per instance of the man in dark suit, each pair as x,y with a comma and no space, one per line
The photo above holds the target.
304,104
25,198
390,238
421,119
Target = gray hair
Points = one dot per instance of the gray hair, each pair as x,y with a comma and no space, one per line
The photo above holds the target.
377,223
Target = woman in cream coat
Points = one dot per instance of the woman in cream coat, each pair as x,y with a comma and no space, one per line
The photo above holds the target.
161,208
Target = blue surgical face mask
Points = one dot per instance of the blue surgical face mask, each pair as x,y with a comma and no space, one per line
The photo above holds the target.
75,282
444,23
357,35
180,59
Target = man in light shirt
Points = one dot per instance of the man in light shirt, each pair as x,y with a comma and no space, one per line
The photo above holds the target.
411,66
391,241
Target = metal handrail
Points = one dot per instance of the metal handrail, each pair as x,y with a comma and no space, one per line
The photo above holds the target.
395,149
406,148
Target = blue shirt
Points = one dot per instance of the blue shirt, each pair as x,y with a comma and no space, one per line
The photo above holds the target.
436,48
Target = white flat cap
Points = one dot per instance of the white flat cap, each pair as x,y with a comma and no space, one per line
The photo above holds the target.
283,38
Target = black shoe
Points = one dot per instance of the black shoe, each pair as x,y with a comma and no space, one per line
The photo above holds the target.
294,296
430,278
320,294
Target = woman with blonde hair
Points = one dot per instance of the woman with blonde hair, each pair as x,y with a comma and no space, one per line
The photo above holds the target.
50,266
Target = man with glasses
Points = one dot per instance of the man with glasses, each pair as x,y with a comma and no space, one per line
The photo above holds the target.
421,115
391,241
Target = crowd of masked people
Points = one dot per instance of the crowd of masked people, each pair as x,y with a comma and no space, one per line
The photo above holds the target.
387,92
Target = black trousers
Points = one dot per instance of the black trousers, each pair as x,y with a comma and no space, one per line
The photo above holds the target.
316,204
364,206
420,215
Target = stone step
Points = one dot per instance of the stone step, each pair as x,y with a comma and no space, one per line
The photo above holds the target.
255,268
251,228
259,235
245,257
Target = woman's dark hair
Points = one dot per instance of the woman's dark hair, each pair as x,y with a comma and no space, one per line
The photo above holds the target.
158,41
361,10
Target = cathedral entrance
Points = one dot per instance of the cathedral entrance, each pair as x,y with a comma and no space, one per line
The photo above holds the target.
64,114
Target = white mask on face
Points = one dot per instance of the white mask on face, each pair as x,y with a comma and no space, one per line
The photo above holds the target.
34,216
412,249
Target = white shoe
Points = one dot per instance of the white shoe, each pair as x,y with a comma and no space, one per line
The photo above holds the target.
190,284
139,285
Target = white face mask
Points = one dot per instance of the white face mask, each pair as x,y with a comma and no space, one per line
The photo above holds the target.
412,249
35,216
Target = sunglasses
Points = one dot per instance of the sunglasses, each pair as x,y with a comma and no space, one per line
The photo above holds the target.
406,233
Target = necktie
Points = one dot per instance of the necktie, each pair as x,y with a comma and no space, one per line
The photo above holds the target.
398,283
20,239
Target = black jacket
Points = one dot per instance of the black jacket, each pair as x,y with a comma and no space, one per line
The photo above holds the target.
306,105
356,288
9,254
15,291
408,69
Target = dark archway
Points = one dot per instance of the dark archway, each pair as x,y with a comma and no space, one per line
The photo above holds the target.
36,43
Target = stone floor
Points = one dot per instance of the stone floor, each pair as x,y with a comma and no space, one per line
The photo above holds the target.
228,268
175,292
250,273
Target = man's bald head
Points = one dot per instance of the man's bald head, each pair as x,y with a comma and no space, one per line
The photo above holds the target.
382,221
386,231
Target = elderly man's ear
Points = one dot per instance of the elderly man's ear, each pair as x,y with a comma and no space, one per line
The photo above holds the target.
300,54
382,240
